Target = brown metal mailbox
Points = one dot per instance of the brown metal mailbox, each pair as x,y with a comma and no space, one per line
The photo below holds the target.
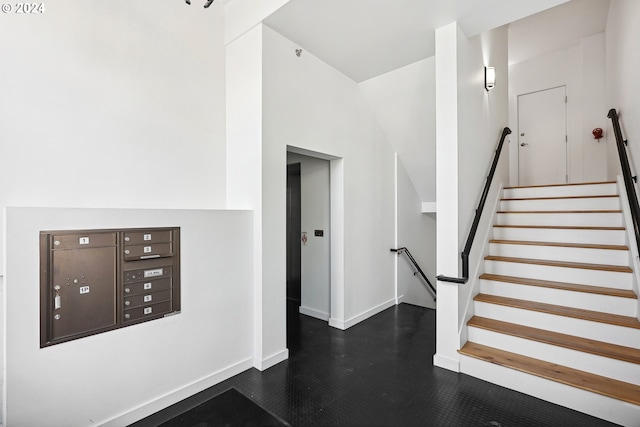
156,250
147,237
147,286
93,281
146,298
146,312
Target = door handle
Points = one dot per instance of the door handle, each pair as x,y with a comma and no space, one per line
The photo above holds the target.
523,144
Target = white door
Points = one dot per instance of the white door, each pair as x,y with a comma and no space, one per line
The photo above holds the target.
542,138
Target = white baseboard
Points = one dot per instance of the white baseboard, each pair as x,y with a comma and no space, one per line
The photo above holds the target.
314,313
446,362
177,395
400,299
362,316
272,360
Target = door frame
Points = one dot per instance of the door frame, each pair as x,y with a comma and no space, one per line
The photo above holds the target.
336,233
566,127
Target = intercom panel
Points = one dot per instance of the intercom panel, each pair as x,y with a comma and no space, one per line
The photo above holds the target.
92,281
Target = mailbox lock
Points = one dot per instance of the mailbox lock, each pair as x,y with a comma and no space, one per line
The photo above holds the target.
126,316
127,290
57,243
57,317
127,303
127,251
127,238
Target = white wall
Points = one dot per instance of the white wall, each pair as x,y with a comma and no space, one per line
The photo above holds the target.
469,125
113,104
417,232
403,102
120,376
594,109
482,116
309,105
581,69
315,215
623,87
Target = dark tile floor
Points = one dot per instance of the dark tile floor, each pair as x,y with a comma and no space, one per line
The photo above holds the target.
378,373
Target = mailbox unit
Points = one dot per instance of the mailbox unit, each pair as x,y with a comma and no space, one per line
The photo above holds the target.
93,281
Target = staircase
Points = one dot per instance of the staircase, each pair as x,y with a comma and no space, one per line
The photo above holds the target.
556,315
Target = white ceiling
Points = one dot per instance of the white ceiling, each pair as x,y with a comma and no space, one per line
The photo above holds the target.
366,38
556,29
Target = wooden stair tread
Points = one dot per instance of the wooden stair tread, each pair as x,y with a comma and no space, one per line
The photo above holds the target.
551,263
562,185
561,244
558,310
619,390
562,211
601,290
600,348
560,197
561,227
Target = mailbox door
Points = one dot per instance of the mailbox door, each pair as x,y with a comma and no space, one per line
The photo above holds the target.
82,291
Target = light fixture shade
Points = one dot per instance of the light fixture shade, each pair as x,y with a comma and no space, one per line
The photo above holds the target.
489,78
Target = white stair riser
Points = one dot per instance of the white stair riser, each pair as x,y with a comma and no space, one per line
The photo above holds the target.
610,279
603,237
628,337
561,191
608,219
586,301
591,203
594,404
595,364
558,253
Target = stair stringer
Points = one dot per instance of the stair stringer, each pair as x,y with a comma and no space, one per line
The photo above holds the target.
593,404
631,240
484,234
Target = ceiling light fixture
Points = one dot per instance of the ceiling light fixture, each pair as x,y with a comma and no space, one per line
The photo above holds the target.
489,78
206,5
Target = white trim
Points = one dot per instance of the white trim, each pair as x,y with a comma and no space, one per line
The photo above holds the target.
446,363
177,395
362,316
429,207
272,360
400,299
314,313
395,225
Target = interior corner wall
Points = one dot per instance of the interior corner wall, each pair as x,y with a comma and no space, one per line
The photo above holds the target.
623,87
310,105
403,101
417,232
113,104
594,109
482,116
118,377
315,215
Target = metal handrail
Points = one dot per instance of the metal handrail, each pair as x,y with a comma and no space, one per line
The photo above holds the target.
415,264
476,220
626,174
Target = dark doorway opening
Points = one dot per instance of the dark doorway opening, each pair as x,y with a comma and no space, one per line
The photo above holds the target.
294,221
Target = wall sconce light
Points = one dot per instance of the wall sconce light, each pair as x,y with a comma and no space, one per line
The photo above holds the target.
489,78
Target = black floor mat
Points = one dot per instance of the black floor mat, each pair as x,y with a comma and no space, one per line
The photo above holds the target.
230,408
